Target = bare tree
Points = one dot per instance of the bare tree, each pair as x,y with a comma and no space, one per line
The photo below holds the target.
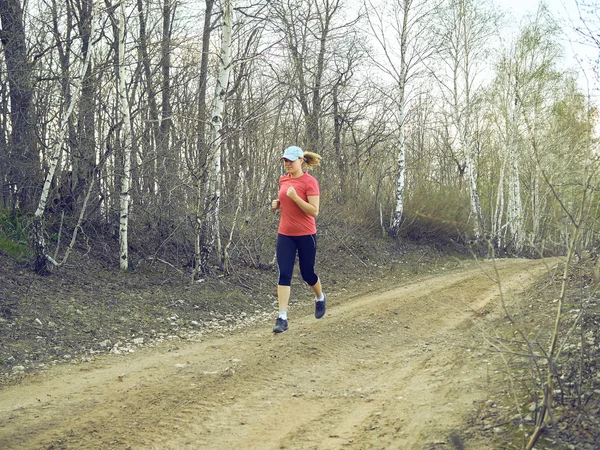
151,150
401,30
464,43
210,229
23,173
588,27
71,97
5,193
168,158
119,19
524,92
83,143
310,31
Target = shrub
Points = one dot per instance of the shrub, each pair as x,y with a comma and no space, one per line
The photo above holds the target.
437,214
14,235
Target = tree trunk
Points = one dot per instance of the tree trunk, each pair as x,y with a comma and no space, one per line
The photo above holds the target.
497,230
475,200
168,173
151,150
515,208
337,143
5,192
401,156
23,172
211,223
125,194
84,164
401,172
39,241
200,171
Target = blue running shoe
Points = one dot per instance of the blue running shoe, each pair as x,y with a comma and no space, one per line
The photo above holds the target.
320,307
280,325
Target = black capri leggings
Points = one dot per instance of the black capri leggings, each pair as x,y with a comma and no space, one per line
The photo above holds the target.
287,246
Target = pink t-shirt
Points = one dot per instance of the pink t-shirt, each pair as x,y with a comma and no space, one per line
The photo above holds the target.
294,221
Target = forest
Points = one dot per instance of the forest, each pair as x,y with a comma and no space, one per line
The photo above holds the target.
160,124
147,134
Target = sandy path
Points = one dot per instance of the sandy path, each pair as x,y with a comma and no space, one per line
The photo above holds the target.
394,370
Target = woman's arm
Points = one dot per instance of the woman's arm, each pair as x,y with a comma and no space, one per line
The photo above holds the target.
311,207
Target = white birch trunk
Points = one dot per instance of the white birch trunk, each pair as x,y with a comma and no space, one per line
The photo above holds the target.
401,80
467,27
126,130
462,121
56,152
507,95
58,146
401,167
213,196
515,209
539,200
535,209
499,213
475,201
399,27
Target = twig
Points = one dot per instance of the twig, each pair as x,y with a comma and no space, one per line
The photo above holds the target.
344,244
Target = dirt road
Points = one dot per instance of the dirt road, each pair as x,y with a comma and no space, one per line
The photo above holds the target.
393,370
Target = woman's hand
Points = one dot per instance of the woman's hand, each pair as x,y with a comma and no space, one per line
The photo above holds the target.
291,193
275,204
310,207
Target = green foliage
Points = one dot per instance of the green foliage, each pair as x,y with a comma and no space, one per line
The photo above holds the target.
14,235
437,214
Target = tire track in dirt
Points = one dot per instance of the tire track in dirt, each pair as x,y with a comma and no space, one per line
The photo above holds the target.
394,369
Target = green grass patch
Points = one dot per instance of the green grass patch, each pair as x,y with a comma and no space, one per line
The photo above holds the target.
14,235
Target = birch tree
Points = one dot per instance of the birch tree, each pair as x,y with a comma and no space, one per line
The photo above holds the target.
533,87
170,161
401,31
197,161
42,257
467,27
126,131
210,229
508,111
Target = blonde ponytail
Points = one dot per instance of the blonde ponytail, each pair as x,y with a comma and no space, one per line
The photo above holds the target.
311,160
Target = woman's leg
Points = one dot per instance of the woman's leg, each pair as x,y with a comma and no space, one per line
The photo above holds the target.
283,299
317,289
286,257
307,252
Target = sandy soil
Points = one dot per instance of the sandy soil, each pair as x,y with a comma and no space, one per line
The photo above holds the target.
397,369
